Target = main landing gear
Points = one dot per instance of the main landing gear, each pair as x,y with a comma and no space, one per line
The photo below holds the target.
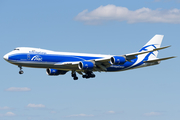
88,74
73,74
20,72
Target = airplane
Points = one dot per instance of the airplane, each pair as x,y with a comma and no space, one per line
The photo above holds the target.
59,63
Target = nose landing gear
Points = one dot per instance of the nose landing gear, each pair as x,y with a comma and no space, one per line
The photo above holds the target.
20,72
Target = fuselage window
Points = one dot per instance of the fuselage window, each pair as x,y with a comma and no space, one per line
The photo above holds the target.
16,49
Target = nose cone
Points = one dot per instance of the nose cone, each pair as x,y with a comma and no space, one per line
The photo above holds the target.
6,57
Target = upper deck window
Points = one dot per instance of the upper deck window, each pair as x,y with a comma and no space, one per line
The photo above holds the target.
16,49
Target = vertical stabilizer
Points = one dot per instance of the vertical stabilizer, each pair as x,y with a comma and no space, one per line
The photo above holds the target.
154,43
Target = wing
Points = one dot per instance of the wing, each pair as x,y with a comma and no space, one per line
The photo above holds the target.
100,64
103,64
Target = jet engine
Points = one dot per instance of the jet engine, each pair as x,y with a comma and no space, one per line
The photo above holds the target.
51,71
86,65
118,60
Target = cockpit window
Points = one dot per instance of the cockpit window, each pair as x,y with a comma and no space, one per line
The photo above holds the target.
16,49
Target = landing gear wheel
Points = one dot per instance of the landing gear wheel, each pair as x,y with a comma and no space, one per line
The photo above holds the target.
73,74
84,76
89,74
75,78
21,72
93,75
87,77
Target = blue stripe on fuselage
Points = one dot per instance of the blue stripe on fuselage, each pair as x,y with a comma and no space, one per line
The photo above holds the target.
49,57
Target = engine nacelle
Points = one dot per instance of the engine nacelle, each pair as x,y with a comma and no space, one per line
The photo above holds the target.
118,60
86,65
51,71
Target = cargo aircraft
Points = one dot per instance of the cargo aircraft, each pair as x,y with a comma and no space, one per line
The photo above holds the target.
59,63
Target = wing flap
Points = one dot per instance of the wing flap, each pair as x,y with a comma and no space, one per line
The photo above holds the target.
71,65
66,63
103,62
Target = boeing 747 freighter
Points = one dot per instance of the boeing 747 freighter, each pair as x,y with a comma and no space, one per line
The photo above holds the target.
59,63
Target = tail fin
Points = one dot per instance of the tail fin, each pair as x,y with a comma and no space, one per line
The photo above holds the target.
154,43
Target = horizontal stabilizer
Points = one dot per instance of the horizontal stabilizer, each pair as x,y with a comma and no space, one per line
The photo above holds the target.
155,60
133,55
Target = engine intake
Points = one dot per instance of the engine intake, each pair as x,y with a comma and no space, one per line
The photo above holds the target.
51,71
118,60
86,65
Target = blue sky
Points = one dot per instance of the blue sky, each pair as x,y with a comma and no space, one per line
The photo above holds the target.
105,27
